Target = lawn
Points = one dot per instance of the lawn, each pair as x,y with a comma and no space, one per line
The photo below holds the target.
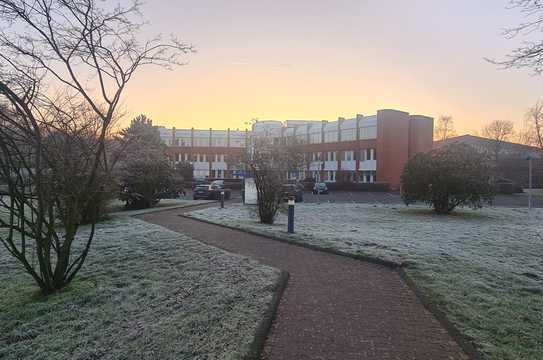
145,292
484,268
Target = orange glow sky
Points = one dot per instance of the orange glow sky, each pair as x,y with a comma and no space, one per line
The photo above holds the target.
321,59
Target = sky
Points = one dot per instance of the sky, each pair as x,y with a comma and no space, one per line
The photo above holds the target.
324,59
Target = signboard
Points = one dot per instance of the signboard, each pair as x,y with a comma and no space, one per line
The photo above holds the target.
251,196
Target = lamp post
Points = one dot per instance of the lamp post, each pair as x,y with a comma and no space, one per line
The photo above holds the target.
290,228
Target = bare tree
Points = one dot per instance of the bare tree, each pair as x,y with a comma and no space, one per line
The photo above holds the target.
64,66
532,127
530,53
270,161
500,131
444,128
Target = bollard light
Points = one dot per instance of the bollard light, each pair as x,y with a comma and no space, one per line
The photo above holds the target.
222,199
291,203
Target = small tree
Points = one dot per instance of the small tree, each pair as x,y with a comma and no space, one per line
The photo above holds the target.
532,129
455,175
270,163
145,170
500,131
444,128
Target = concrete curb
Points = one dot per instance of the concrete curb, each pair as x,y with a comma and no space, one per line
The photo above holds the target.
141,212
463,340
257,345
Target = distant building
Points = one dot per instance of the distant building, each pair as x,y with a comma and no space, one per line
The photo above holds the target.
511,158
364,149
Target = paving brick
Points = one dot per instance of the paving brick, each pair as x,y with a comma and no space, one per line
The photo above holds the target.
333,307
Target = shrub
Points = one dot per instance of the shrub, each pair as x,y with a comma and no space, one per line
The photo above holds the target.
455,175
145,170
269,163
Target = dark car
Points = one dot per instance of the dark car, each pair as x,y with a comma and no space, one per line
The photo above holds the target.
211,191
293,191
201,191
320,188
217,187
198,182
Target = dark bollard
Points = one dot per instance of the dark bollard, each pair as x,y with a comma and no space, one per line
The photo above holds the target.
222,199
291,203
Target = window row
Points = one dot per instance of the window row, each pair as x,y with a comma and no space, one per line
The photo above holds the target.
201,157
204,142
350,155
350,176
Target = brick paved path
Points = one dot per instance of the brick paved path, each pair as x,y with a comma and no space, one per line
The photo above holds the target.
333,307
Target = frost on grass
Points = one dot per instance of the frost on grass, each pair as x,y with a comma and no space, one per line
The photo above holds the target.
483,268
145,292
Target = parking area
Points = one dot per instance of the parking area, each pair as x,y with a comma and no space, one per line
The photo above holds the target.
364,197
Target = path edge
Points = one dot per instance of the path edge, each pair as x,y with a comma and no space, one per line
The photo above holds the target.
371,259
465,343
256,346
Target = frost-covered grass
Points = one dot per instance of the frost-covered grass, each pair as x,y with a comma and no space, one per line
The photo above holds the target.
116,207
484,268
145,292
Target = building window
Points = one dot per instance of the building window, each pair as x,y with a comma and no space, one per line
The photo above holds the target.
183,141
348,155
219,141
331,156
368,176
348,134
331,136
201,142
331,176
368,154
315,138
368,132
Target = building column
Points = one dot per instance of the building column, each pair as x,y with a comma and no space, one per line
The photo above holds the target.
210,137
323,124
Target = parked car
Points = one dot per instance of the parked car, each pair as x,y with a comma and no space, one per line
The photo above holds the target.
197,182
211,191
201,191
293,191
320,188
217,187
